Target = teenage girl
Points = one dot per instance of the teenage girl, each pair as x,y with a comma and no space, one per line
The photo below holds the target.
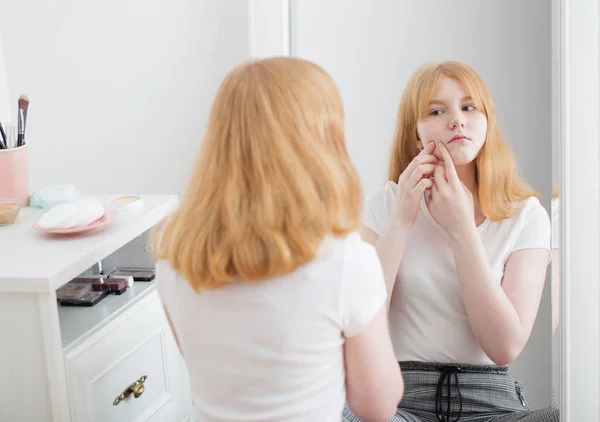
278,307
464,244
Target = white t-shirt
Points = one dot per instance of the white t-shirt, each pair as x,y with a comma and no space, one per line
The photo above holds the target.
555,210
428,319
273,351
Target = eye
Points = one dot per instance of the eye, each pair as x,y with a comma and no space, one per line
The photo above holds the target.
468,108
436,112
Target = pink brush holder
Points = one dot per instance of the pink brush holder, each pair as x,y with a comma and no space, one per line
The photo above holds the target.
14,174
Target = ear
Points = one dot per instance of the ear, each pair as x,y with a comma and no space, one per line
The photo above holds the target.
419,143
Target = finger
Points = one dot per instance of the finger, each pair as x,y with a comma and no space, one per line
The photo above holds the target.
422,170
423,185
427,190
428,148
439,177
424,157
432,194
448,164
418,160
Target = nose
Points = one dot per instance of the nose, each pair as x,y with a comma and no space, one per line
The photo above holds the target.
456,120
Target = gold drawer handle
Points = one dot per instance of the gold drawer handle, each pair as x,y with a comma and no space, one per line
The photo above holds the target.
137,389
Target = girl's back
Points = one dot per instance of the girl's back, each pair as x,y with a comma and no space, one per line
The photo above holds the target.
273,350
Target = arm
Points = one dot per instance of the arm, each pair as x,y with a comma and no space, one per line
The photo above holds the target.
555,268
501,316
390,249
555,288
374,384
412,183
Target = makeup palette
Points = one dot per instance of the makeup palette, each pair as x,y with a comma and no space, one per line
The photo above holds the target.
79,294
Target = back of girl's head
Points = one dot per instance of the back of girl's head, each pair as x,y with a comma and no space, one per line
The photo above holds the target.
272,180
501,189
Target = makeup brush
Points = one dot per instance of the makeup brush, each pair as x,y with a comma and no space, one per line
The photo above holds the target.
23,106
3,140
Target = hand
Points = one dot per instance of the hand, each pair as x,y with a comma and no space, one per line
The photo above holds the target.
449,201
412,183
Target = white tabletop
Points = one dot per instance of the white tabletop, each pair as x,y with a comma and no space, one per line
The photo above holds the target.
35,262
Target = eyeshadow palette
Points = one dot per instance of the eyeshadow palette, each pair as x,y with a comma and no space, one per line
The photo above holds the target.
79,294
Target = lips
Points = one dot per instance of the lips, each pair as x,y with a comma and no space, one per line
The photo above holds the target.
458,138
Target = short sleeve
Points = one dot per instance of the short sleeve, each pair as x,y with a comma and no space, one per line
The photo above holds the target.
363,288
536,229
378,207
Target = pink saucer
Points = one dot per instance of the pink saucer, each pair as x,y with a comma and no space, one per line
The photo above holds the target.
106,219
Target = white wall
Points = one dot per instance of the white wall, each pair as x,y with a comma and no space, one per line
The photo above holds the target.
119,89
371,48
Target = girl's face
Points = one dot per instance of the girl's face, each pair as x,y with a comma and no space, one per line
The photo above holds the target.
452,119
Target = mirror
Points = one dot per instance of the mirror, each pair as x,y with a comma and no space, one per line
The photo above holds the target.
372,50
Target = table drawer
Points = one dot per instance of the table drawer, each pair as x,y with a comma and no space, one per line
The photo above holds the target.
137,348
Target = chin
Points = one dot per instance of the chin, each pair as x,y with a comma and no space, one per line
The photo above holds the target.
461,160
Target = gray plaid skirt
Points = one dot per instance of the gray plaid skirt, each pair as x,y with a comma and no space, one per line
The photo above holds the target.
452,393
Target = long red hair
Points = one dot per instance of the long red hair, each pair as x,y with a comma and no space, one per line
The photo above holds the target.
272,180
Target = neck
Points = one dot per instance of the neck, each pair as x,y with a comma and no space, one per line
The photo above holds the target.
466,174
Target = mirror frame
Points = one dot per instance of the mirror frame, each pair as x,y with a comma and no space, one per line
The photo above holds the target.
578,67
576,61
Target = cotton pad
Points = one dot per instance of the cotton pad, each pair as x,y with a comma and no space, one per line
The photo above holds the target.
88,211
61,216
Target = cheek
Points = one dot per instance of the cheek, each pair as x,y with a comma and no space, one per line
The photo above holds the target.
430,131
479,126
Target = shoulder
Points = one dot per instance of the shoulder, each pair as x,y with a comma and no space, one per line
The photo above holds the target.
533,211
350,249
379,206
530,220
532,227
164,268
356,248
166,278
531,214
383,194
555,210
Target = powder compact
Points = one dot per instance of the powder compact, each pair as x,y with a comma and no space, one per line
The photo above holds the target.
79,294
